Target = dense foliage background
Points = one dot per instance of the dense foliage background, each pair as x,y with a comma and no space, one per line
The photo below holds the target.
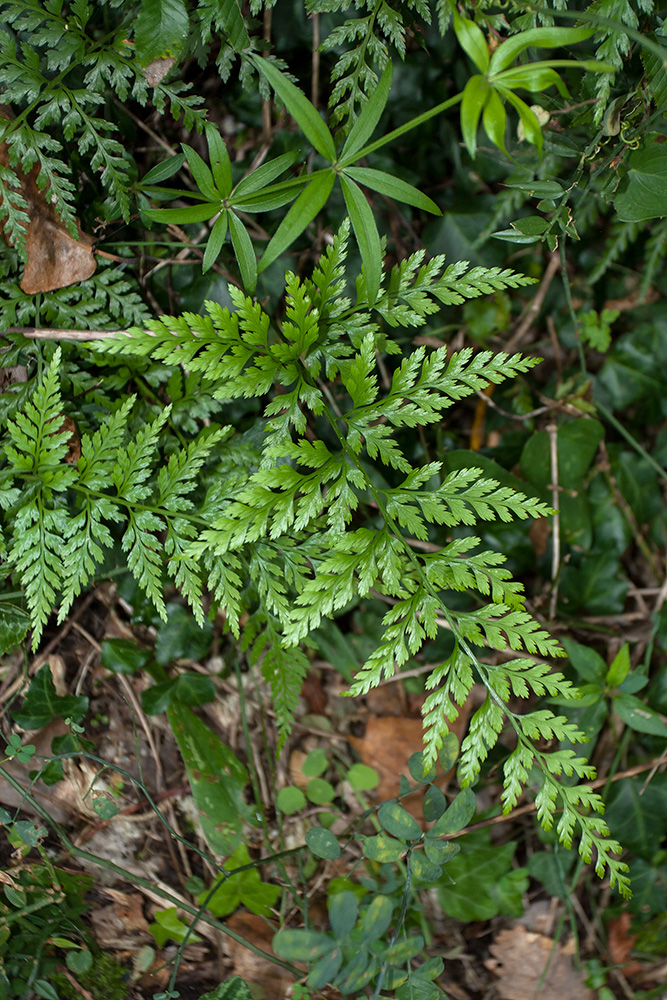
329,229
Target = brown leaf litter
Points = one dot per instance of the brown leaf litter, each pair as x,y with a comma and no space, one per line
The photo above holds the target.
55,258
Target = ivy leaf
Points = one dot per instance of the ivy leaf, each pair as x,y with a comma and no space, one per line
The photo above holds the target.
160,30
643,193
42,703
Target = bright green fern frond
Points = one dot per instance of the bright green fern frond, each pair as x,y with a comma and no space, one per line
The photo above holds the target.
144,555
133,465
40,443
86,538
36,554
497,626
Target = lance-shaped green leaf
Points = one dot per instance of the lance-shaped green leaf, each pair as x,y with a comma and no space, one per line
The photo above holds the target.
271,197
161,171
392,187
471,39
534,77
494,118
531,126
304,113
370,115
245,253
217,779
365,230
545,38
194,213
221,167
265,175
303,211
475,94
202,175
215,241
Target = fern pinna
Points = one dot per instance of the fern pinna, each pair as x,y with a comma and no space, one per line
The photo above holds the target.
277,539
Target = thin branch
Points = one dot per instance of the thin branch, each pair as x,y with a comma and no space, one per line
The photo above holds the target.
552,430
533,309
41,334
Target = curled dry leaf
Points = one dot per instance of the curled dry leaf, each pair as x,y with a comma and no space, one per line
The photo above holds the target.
269,980
55,259
531,966
620,943
388,744
156,71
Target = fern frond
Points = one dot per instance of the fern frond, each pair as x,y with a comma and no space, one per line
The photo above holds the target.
14,218
497,626
359,558
144,555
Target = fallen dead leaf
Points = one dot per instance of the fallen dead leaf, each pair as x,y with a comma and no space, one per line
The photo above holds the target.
121,926
267,981
632,300
521,958
55,258
156,71
620,943
539,533
388,744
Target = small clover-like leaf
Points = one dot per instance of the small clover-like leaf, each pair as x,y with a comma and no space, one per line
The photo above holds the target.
323,843
398,822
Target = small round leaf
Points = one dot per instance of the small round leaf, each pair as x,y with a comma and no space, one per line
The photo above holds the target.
449,751
417,771
424,869
315,763
362,777
457,816
376,918
398,822
343,909
323,843
434,805
320,791
290,800
383,848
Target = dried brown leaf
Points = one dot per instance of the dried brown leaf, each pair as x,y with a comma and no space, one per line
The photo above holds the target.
55,258
531,966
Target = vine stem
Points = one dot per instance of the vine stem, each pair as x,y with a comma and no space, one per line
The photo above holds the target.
78,852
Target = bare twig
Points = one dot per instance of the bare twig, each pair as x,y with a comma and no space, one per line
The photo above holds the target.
315,63
533,309
266,104
42,334
552,430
